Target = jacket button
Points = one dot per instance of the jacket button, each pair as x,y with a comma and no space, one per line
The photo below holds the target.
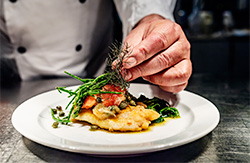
21,49
13,1
82,1
78,47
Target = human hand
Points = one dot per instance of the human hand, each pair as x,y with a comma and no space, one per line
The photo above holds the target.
160,54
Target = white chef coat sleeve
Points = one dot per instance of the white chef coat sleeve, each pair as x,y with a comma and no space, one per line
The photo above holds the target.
132,11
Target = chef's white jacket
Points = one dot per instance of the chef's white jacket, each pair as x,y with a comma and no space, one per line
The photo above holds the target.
48,37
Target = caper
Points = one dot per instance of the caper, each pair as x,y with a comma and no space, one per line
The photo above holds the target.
55,124
128,98
59,108
109,114
132,102
117,109
111,108
93,128
99,99
54,111
61,114
123,105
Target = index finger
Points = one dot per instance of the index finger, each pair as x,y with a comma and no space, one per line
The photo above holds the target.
151,45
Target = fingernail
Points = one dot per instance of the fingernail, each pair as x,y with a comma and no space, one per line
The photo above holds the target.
131,62
128,75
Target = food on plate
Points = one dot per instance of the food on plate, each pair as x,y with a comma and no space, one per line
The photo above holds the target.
133,118
105,102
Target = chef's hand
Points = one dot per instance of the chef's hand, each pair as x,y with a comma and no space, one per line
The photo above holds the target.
160,54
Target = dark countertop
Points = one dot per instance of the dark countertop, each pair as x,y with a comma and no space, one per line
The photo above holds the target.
228,142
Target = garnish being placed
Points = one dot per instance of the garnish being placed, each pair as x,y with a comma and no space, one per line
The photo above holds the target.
106,103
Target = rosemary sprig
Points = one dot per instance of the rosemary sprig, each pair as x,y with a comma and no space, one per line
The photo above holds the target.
117,73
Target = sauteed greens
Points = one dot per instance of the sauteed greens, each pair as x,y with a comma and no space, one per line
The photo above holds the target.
161,106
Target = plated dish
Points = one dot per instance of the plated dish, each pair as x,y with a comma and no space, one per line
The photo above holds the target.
106,103
198,117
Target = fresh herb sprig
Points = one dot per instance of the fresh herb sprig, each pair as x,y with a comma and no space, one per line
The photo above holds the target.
89,88
115,62
113,75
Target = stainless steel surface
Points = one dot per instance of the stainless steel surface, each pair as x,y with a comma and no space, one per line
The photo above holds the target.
230,141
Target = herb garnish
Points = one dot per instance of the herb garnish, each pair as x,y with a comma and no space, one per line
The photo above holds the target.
113,75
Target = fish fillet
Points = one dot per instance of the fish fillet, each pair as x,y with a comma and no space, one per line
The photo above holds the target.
132,118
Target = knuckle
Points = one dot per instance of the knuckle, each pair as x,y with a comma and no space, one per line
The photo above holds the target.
177,30
164,60
139,71
184,75
172,29
171,25
187,46
177,27
143,51
161,40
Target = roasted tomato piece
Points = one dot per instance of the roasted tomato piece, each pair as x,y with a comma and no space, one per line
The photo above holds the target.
112,99
89,102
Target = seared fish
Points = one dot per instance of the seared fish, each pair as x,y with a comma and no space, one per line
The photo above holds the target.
132,118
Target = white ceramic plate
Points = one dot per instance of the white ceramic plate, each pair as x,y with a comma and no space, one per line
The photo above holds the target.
198,117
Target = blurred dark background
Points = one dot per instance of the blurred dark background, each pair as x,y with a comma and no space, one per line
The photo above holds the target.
218,31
